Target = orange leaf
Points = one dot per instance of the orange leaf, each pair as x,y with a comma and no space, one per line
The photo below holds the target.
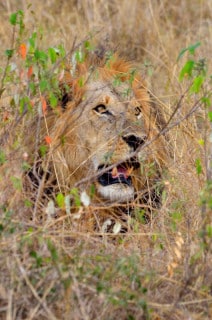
48,139
44,105
23,51
29,72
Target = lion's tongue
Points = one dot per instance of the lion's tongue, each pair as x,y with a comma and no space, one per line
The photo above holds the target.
121,171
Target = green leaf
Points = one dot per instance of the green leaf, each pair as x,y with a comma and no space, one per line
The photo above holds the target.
43,85
16,183
28,203
2,157
79,56
13,18
21,22
32,87
210,116
201,141
9,53
177,216
43,149
197,84
88,46
41,56
52,54
32,41
132,76
193,47
187,69
25,166
198,166
81,82
60,199
37,258
209,230
24,104
181,54
53,100
206,101
191,50
62,51
75,193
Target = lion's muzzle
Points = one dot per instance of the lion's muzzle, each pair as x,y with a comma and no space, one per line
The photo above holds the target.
119,174
116,184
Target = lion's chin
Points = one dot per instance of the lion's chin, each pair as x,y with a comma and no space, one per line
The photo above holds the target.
117,192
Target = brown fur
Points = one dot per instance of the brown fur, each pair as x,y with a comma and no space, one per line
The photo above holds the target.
82,139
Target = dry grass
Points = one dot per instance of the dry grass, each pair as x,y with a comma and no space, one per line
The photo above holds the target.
161,270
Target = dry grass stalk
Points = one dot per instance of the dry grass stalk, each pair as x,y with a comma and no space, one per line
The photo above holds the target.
59,268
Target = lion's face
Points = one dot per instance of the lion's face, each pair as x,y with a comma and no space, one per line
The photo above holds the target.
104,129
112,129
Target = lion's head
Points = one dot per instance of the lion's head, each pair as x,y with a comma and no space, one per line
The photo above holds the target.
103,130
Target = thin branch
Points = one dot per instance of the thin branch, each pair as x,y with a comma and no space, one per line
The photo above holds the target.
7,63
29,284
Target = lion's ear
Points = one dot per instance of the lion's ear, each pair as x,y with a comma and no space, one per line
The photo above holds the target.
65,99
66,95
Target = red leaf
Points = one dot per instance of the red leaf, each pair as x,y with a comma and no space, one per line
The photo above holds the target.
23,51
29,72
44,105
48,139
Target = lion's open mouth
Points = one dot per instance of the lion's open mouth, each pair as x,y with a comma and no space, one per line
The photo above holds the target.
118,174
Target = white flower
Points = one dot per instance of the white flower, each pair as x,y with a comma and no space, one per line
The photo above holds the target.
117,227
85,199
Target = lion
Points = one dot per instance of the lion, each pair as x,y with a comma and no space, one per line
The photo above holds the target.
105,133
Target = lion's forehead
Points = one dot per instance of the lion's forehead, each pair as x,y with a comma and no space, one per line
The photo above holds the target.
120,91
121,96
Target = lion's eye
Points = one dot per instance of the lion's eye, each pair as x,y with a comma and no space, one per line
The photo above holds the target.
101,109
138,112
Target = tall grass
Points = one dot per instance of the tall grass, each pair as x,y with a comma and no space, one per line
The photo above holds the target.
160,270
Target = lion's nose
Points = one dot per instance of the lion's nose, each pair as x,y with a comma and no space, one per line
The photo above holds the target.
134,141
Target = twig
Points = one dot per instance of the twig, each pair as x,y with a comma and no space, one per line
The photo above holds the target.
77,291
9,307
7,63
42,303
35,310
39,190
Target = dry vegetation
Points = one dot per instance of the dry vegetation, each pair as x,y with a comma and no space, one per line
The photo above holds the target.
158,270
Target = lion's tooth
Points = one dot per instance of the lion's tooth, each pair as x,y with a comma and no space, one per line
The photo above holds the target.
114,172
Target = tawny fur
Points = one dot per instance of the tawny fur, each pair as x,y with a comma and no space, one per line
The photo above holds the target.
82,139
